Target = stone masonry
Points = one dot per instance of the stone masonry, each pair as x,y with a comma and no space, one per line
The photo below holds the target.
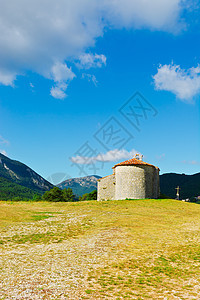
131,179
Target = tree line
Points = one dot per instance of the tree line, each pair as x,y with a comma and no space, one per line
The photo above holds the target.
58,195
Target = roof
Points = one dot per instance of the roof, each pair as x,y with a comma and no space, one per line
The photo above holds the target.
134,162
104,177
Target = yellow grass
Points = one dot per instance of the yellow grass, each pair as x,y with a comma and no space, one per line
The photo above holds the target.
140,249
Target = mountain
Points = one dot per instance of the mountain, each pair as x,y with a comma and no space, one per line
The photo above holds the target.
80,185
10,190
21,174
189,185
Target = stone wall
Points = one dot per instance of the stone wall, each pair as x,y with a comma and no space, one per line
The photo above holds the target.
106,188
130,182
136,182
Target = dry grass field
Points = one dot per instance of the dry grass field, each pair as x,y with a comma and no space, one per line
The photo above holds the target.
141,249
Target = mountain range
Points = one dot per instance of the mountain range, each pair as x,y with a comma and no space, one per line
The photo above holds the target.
17,175
80,185
17,179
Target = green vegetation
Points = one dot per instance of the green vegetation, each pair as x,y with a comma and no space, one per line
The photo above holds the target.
10,190
58,195
139,249
15,192
189,184
89,196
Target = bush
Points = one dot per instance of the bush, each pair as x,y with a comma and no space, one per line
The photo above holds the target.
89,196
58,195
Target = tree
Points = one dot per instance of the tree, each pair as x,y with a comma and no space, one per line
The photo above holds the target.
92,195
89,196
37,197
68,195
84,197
58,195
54,195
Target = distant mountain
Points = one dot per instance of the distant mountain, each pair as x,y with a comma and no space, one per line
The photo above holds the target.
21,174
189,185
80,185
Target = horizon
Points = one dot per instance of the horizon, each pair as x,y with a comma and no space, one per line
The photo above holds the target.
56,177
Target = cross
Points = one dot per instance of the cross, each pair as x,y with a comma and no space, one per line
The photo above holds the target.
177,192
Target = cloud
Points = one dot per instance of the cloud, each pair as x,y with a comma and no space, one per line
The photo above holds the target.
7,77
191,162
154,14
112,155
3,141
185,84
88,60
90,78
46,36
161,156
58,91
60,74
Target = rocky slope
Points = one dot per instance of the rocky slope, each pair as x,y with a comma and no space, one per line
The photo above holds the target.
80,185
19,173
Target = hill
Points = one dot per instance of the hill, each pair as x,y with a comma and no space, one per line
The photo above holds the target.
80,185
21,174
139,249
189,184
10,190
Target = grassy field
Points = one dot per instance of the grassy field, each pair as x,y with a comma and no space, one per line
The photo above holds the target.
140,249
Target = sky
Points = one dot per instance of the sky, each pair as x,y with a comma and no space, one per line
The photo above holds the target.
87,84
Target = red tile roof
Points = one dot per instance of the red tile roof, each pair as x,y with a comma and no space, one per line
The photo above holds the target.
133,162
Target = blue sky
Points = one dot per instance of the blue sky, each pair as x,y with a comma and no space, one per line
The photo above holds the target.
65,71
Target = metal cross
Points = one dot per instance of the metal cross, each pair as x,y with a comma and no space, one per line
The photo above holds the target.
177,192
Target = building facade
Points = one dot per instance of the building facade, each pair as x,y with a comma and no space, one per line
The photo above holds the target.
131,179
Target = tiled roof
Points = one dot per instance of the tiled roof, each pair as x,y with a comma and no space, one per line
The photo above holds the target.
133,162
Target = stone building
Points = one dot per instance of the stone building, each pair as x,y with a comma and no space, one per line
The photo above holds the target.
131,179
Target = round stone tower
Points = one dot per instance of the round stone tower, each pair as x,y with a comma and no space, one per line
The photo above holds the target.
136,179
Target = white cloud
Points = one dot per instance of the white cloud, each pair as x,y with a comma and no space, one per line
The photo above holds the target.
185,84
191,162
60,72
58,91
7,77
90,78
112,155
88,60
154,14
3,141
41,36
